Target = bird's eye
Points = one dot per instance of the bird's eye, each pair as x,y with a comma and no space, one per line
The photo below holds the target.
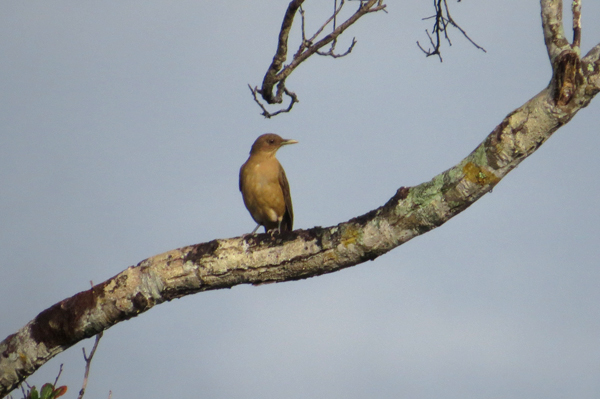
271,141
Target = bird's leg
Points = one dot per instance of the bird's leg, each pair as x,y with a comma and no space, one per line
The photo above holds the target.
256,228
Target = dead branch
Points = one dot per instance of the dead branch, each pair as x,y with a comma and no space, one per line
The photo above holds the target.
88,363
58,375
277,72
443,20
267,114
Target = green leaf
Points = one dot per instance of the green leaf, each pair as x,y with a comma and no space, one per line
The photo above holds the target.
33,394
46,392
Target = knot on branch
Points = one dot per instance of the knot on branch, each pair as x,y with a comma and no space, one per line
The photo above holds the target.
568,77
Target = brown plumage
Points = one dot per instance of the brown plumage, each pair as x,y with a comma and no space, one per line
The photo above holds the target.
264,185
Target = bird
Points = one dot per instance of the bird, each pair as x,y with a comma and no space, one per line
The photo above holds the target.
264,186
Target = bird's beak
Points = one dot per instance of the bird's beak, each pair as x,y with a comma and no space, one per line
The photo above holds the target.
289,141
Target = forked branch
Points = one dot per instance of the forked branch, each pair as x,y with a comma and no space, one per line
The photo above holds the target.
278,72
88,363
570,71
442,20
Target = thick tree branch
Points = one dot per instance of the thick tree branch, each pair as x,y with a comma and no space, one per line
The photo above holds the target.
591,68
263,258
281,52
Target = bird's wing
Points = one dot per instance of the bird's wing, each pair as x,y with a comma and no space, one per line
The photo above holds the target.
288,216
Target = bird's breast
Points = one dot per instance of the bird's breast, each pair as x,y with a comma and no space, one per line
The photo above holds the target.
261,189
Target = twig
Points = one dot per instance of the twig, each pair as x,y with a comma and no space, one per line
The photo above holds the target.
58,376
88,362
436,50
331,53
23,390
443,20
267,114
309,42
336,11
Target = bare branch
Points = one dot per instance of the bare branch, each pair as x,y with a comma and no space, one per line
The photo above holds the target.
365,8
436,46
277,73
442,20
331,51
23,389
58,375
266,113
88,363
336,11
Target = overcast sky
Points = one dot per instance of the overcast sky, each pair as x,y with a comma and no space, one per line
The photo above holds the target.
123,125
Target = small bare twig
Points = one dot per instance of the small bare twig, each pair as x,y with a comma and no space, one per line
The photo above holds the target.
23,389
278,72
267,114
25,394
306,43
58,375
336,11
331,52
88,362
442,20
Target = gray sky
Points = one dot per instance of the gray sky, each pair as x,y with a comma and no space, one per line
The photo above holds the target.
122,129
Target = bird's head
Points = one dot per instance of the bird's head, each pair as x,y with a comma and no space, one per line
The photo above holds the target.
269,144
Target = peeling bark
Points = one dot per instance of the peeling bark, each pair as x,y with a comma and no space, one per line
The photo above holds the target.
264,258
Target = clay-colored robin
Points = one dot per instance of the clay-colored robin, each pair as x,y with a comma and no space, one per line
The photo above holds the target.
264,185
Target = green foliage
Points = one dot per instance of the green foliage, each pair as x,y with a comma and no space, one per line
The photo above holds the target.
48,391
